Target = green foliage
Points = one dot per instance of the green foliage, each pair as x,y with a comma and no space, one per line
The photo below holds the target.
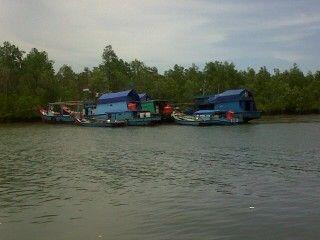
67,83
28,81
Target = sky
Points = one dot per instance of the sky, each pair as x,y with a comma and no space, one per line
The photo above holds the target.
273,33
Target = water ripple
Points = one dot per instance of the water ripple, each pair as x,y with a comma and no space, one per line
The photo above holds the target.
169,182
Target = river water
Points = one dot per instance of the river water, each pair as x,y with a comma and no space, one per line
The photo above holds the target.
254,181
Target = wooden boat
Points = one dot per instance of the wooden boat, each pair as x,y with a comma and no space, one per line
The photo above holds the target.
239,101
54,117
144,121
99,123
60,112
117,119
158,107
206,118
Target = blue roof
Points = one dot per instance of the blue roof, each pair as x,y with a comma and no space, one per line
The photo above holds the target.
232,92
124,96
228,96
114,95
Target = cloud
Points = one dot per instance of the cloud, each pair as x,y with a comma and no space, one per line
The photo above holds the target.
163,33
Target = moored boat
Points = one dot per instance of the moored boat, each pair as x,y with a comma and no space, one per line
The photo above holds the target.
99,123
206,118
60,112
144,119
50,116
129,107
157,108
238,101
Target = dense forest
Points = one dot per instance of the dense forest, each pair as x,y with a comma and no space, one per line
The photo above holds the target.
29,81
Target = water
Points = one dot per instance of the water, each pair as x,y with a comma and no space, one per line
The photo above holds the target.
256,181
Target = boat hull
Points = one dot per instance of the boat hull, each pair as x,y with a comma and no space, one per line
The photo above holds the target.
57,119
205,122
143,121
92,123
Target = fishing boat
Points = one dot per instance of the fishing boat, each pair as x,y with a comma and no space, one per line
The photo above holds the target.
60,112
119,119
157,108
129,107
144,119
206,118
228,108
239,101
99,123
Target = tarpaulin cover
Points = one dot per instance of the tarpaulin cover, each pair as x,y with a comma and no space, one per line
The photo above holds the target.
124,96
228,96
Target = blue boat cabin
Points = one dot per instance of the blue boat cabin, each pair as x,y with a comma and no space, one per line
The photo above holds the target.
124,101
239,101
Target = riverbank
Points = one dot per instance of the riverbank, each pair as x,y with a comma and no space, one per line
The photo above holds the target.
30,81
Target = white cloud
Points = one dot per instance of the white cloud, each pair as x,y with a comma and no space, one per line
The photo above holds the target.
157,32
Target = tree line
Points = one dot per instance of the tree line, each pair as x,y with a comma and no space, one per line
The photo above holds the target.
29,81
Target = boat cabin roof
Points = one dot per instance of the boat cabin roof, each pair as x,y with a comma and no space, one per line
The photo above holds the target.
232,95
124,96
